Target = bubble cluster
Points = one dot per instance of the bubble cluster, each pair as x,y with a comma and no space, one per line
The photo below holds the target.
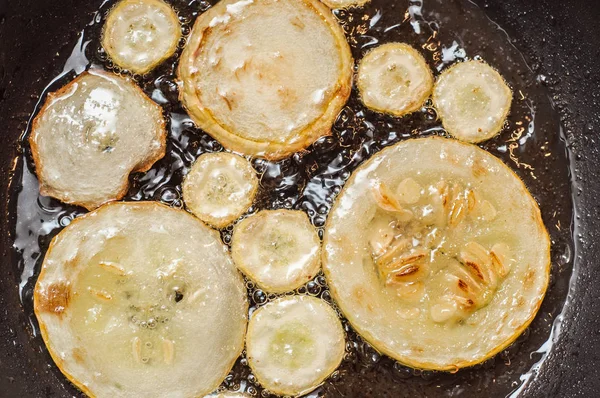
149,317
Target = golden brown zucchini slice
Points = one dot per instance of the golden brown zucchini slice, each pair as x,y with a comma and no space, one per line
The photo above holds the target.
394,78
266,77
472,100
91,134
294,343
219,188
280,250
138,35
139,299
436,253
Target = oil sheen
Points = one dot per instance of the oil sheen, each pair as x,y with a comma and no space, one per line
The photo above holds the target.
445,31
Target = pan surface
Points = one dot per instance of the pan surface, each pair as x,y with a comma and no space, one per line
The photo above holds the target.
557,356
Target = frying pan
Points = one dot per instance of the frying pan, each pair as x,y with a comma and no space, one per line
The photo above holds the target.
562,348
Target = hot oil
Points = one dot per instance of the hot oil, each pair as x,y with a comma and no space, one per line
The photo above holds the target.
445,31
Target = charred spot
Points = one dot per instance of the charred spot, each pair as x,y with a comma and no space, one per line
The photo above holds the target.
495,258
498,264
72,263
416,257
382,198
55,299
411,269
298,23
386,200
475,268
227,101
462,285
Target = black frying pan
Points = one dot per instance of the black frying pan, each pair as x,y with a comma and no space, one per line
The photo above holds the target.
560,43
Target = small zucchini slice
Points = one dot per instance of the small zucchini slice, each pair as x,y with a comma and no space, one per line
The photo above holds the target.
394,78
219,188
278,249
139,35
473,101
294,343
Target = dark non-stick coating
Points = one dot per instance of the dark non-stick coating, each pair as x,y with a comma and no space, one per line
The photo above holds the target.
561,38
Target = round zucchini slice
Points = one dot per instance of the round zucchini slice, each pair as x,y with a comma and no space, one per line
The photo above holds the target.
280,250
139,299
91,134
138,35
473,101
219,188
294,343
268,77
394,78
436,253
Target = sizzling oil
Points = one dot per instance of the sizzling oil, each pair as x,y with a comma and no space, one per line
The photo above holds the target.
531,143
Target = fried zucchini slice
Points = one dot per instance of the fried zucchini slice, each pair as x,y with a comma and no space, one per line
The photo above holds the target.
473,101
91,134
139,299
219,188
266,77
436,253
278,249
139,35
394,78
294,343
